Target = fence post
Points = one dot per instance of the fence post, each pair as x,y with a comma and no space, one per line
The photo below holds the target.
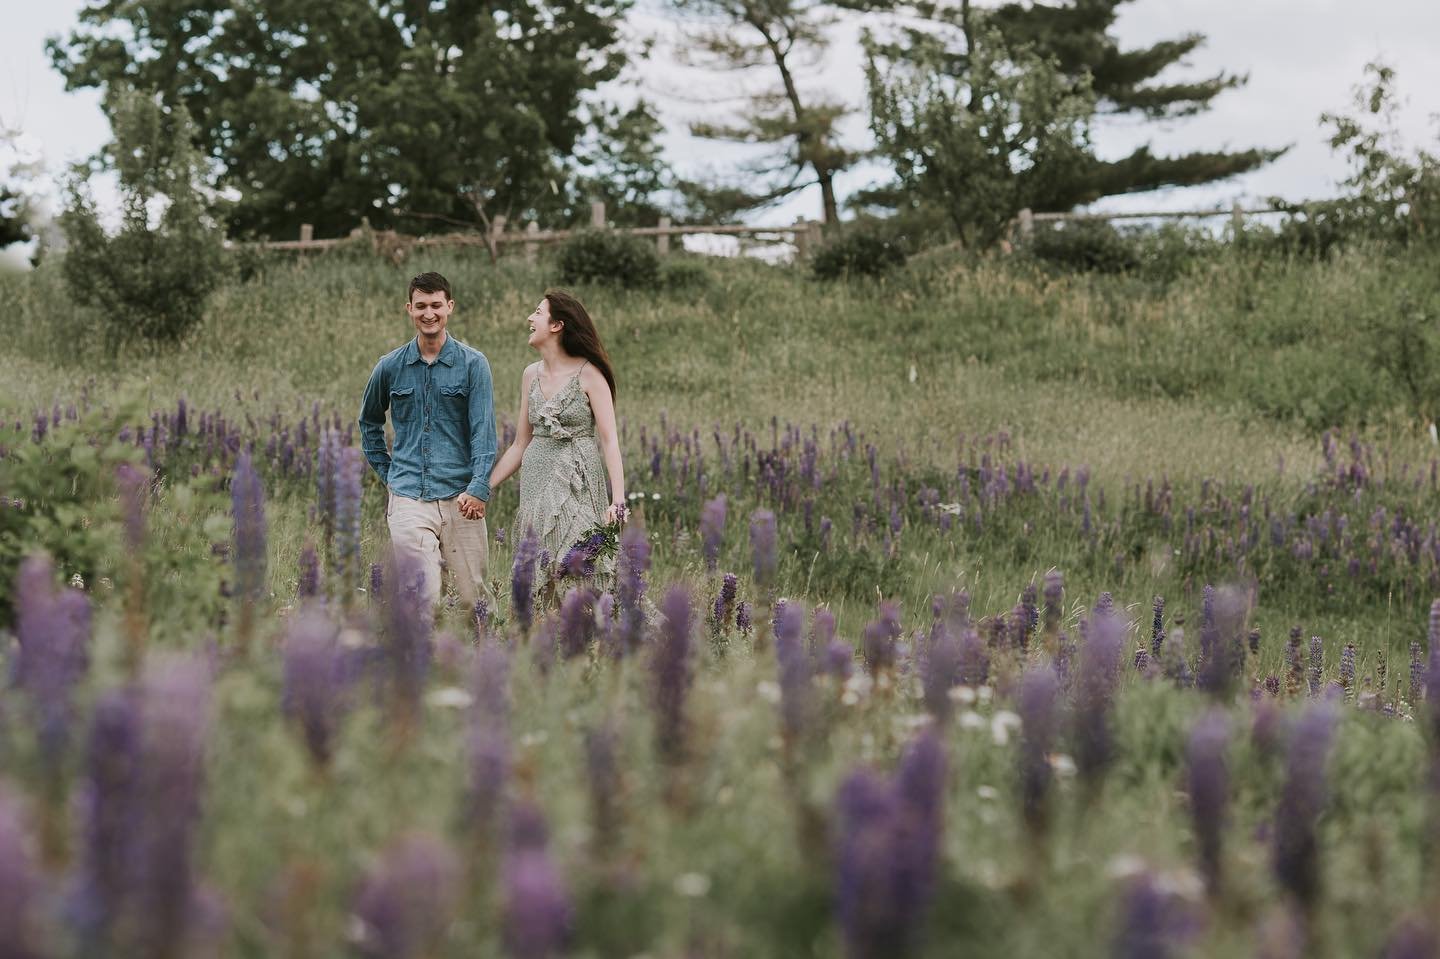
531,246
307,232
1027,224
817,236
1237,218
662,240
801,236
597,215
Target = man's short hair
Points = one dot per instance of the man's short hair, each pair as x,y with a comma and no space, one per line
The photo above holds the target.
429,283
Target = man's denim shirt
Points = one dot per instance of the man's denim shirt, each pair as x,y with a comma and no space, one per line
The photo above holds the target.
444,419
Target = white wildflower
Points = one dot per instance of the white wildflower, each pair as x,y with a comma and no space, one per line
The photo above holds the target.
449,697
961,694
692,884
768,690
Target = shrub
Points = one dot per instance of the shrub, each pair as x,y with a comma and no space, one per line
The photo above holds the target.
858,253
608,256
153,277
684,274
1096,246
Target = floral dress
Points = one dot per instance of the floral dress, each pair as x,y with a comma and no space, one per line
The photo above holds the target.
563,489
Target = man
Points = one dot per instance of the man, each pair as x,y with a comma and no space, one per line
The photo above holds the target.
442,407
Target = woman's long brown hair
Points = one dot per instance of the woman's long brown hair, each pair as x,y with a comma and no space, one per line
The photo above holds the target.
578,337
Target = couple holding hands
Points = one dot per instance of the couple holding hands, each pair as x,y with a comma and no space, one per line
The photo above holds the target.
443,467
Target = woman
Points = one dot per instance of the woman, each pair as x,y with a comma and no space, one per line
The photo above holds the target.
566,432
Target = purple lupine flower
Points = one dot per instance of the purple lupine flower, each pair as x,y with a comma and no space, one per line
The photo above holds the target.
326,471
134,486
1038,705
634,563
1347,668
1094,697
1222,647
489,744
878,647
247,498
579,561
974,658
349,473
763,547
1417,672
522,580
1157,628
793,664
920,782
408,898
577,622
674,673
108,801
167,908
409,620
742,619
712,530
941,671
1154,923
1317,663
308,585
839,660
822,631
602,777
1413,938
1294,663
1302,800
538,919
1054,595
377,582
724,603
314,684
1207,779
887,849
52,631
876,917
21,886
1030,617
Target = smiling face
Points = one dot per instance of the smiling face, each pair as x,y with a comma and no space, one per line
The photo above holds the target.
542,328
429,312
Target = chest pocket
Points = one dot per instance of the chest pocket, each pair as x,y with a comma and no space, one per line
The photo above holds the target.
455,400
403,405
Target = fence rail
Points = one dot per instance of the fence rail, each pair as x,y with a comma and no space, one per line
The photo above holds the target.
806,235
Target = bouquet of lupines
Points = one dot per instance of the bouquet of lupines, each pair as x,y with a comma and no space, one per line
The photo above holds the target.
599,545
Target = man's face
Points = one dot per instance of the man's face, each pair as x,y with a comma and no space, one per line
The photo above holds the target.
429,312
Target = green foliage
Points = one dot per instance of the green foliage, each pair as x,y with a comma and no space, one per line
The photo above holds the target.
1076,39
684,274
153,277
18,171
982,146
609,257
419,115
858,252
801,129
60,497
1096,246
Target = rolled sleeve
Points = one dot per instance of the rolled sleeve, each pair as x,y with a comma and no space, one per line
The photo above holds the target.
372,422
482,428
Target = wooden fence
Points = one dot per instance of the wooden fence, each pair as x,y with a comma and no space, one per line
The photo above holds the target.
806,235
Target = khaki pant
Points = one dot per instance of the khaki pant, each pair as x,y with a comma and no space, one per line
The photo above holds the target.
424,533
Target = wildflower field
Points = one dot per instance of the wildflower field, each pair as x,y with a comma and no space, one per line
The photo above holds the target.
978,611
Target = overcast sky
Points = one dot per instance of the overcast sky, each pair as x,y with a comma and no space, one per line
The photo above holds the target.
1302,57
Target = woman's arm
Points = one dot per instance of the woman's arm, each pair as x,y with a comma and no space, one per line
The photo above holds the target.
509,462
602,404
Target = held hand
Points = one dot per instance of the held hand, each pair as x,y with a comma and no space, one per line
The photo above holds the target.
616,513
470,507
